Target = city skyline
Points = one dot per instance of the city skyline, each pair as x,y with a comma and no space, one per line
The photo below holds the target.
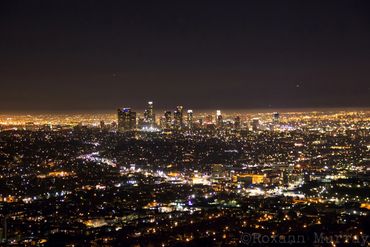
185,123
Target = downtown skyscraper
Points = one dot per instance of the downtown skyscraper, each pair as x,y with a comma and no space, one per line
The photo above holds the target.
126,119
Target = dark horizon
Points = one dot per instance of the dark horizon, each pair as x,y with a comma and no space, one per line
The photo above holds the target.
140,111
86,56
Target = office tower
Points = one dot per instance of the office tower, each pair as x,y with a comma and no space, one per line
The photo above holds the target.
149,116
162,122
275,117
190,119
168,119
132,121
255,124
126,119
237,123
178,117
219,120
151,112
146,116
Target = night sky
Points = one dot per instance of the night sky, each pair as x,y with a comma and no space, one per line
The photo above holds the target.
99,55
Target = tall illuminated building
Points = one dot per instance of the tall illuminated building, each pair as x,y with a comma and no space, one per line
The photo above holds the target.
167,119
146,116
190,119
219,120
178,117
275,117
162,122
149,116
126,119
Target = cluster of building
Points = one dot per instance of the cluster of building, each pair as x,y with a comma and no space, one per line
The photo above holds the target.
128,120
